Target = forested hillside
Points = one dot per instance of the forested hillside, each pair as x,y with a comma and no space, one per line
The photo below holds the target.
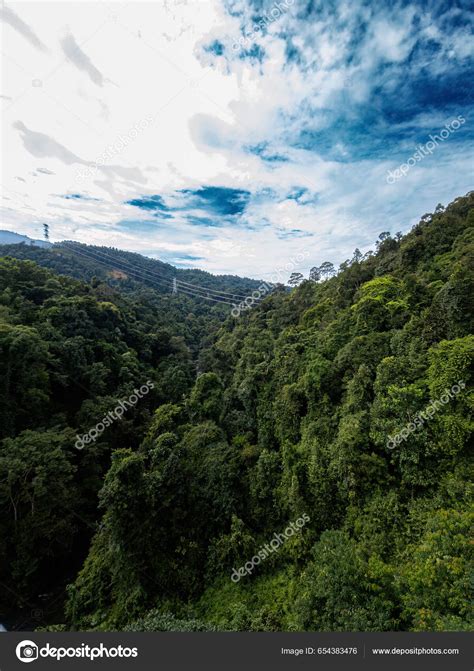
126,270
291,412
70,351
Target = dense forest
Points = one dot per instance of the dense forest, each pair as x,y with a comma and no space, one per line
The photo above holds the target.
290,411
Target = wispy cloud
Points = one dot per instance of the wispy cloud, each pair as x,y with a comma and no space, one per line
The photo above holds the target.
77,57
10,17
41,145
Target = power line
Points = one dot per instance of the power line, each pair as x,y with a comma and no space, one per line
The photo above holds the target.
90,256
115,262
192,287
168,283
217,291
140,273
206,298
189,284
131,270
205,290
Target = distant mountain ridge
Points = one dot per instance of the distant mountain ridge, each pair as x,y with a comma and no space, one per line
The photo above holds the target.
124,269
11,238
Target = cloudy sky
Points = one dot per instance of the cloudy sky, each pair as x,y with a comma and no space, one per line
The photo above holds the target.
232,134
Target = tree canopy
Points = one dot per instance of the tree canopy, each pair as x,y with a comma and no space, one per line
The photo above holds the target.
252,422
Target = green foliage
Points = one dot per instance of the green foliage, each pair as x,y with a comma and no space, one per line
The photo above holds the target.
264,604
69,353
206,397
381,304
252,423
157,621
343,591
24,383
38,499
436,580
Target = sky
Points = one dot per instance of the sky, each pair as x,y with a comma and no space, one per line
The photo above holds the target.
233,135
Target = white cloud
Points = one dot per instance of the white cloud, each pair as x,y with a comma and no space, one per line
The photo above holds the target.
67,106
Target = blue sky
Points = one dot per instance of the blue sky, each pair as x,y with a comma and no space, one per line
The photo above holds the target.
231,135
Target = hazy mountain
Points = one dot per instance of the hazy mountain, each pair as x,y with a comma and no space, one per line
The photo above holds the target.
11,238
